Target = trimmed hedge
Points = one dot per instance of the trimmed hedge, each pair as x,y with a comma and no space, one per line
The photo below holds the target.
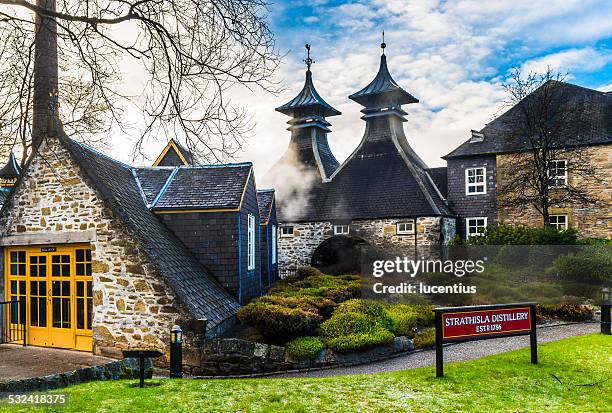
425,338
565,312
276,321
504,234
303,348
351,331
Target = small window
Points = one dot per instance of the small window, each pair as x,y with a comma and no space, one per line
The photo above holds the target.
557,173
475,181
273,244
251,243
341,229
559,222
404,228
475,226
286,231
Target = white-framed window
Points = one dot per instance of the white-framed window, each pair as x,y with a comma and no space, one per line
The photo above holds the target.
251,243
286,231
558,221
403,228
557,173
475,226
341,229
476,181
273,244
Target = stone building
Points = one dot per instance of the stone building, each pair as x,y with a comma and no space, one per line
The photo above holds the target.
383,195
104,256
478,167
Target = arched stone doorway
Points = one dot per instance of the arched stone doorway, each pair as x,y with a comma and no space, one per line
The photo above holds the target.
340,254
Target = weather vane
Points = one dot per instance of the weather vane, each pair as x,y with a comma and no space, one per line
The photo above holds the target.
308,60
383,44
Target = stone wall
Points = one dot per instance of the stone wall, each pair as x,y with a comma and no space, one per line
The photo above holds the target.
380,233
591,220
133,305
236,357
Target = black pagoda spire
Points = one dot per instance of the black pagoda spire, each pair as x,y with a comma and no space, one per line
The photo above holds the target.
10,172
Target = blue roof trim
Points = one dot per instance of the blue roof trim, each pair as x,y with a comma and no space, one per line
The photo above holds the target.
165,187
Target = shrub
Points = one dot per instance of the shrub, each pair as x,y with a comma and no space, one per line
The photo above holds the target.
276,321
408,317
323,306
304,348
565,312
303,272
375,310
589,265
346,331
335,288
504,234
425,338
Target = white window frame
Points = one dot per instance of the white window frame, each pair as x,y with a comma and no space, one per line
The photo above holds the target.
251,243
556,224
273,244
557,181
342,229
286,231
404,228
468,225
476,184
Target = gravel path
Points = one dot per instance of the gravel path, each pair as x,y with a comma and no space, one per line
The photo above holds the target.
457,352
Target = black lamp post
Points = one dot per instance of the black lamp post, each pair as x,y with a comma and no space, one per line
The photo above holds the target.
176,352
605,311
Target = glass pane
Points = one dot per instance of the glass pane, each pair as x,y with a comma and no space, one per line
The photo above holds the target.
22,269
65,313
56,314
42,271
89,312
33,288
80,269
88,255
80,315
66,288
42,260
89,294
55,287
55,270
88,269
14,269
55,259
80,255
34,311
22,256
34,270
65,270
42,311
14,256
13,287
80,286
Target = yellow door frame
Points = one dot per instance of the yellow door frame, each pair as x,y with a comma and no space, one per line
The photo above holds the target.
61,292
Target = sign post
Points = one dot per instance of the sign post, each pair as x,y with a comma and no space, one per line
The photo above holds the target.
460,324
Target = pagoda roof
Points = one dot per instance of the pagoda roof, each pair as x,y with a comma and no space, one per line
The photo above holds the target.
383,85
11,169
308,97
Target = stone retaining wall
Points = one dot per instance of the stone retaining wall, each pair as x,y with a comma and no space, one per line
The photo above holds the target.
115,370
235,357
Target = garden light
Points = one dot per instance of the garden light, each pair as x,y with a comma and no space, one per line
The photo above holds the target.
176,352
606,315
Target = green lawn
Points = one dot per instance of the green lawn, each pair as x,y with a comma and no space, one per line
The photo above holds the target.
506,382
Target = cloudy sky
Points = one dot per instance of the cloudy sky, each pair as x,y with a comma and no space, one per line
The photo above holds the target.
452,55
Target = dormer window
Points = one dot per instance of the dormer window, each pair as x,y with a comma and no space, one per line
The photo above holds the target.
557,173
476,136
475,181
341,229
286,231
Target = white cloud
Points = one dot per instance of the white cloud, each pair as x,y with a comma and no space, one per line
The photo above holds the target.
572,61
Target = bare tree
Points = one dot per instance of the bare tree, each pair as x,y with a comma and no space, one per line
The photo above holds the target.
191,52
546,134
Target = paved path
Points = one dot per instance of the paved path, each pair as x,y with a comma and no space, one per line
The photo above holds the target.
17,362
456,352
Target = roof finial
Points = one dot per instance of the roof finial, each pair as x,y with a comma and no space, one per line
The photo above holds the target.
383,44
308,60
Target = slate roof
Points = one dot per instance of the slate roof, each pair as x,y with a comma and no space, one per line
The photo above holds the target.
265,199
383,84
11,170
152,180
201,187
439,176
198,291
307,98
593,127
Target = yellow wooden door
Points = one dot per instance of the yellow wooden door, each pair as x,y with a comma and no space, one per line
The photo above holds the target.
38,273
59,301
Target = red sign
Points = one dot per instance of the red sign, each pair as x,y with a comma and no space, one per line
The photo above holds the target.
459,325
